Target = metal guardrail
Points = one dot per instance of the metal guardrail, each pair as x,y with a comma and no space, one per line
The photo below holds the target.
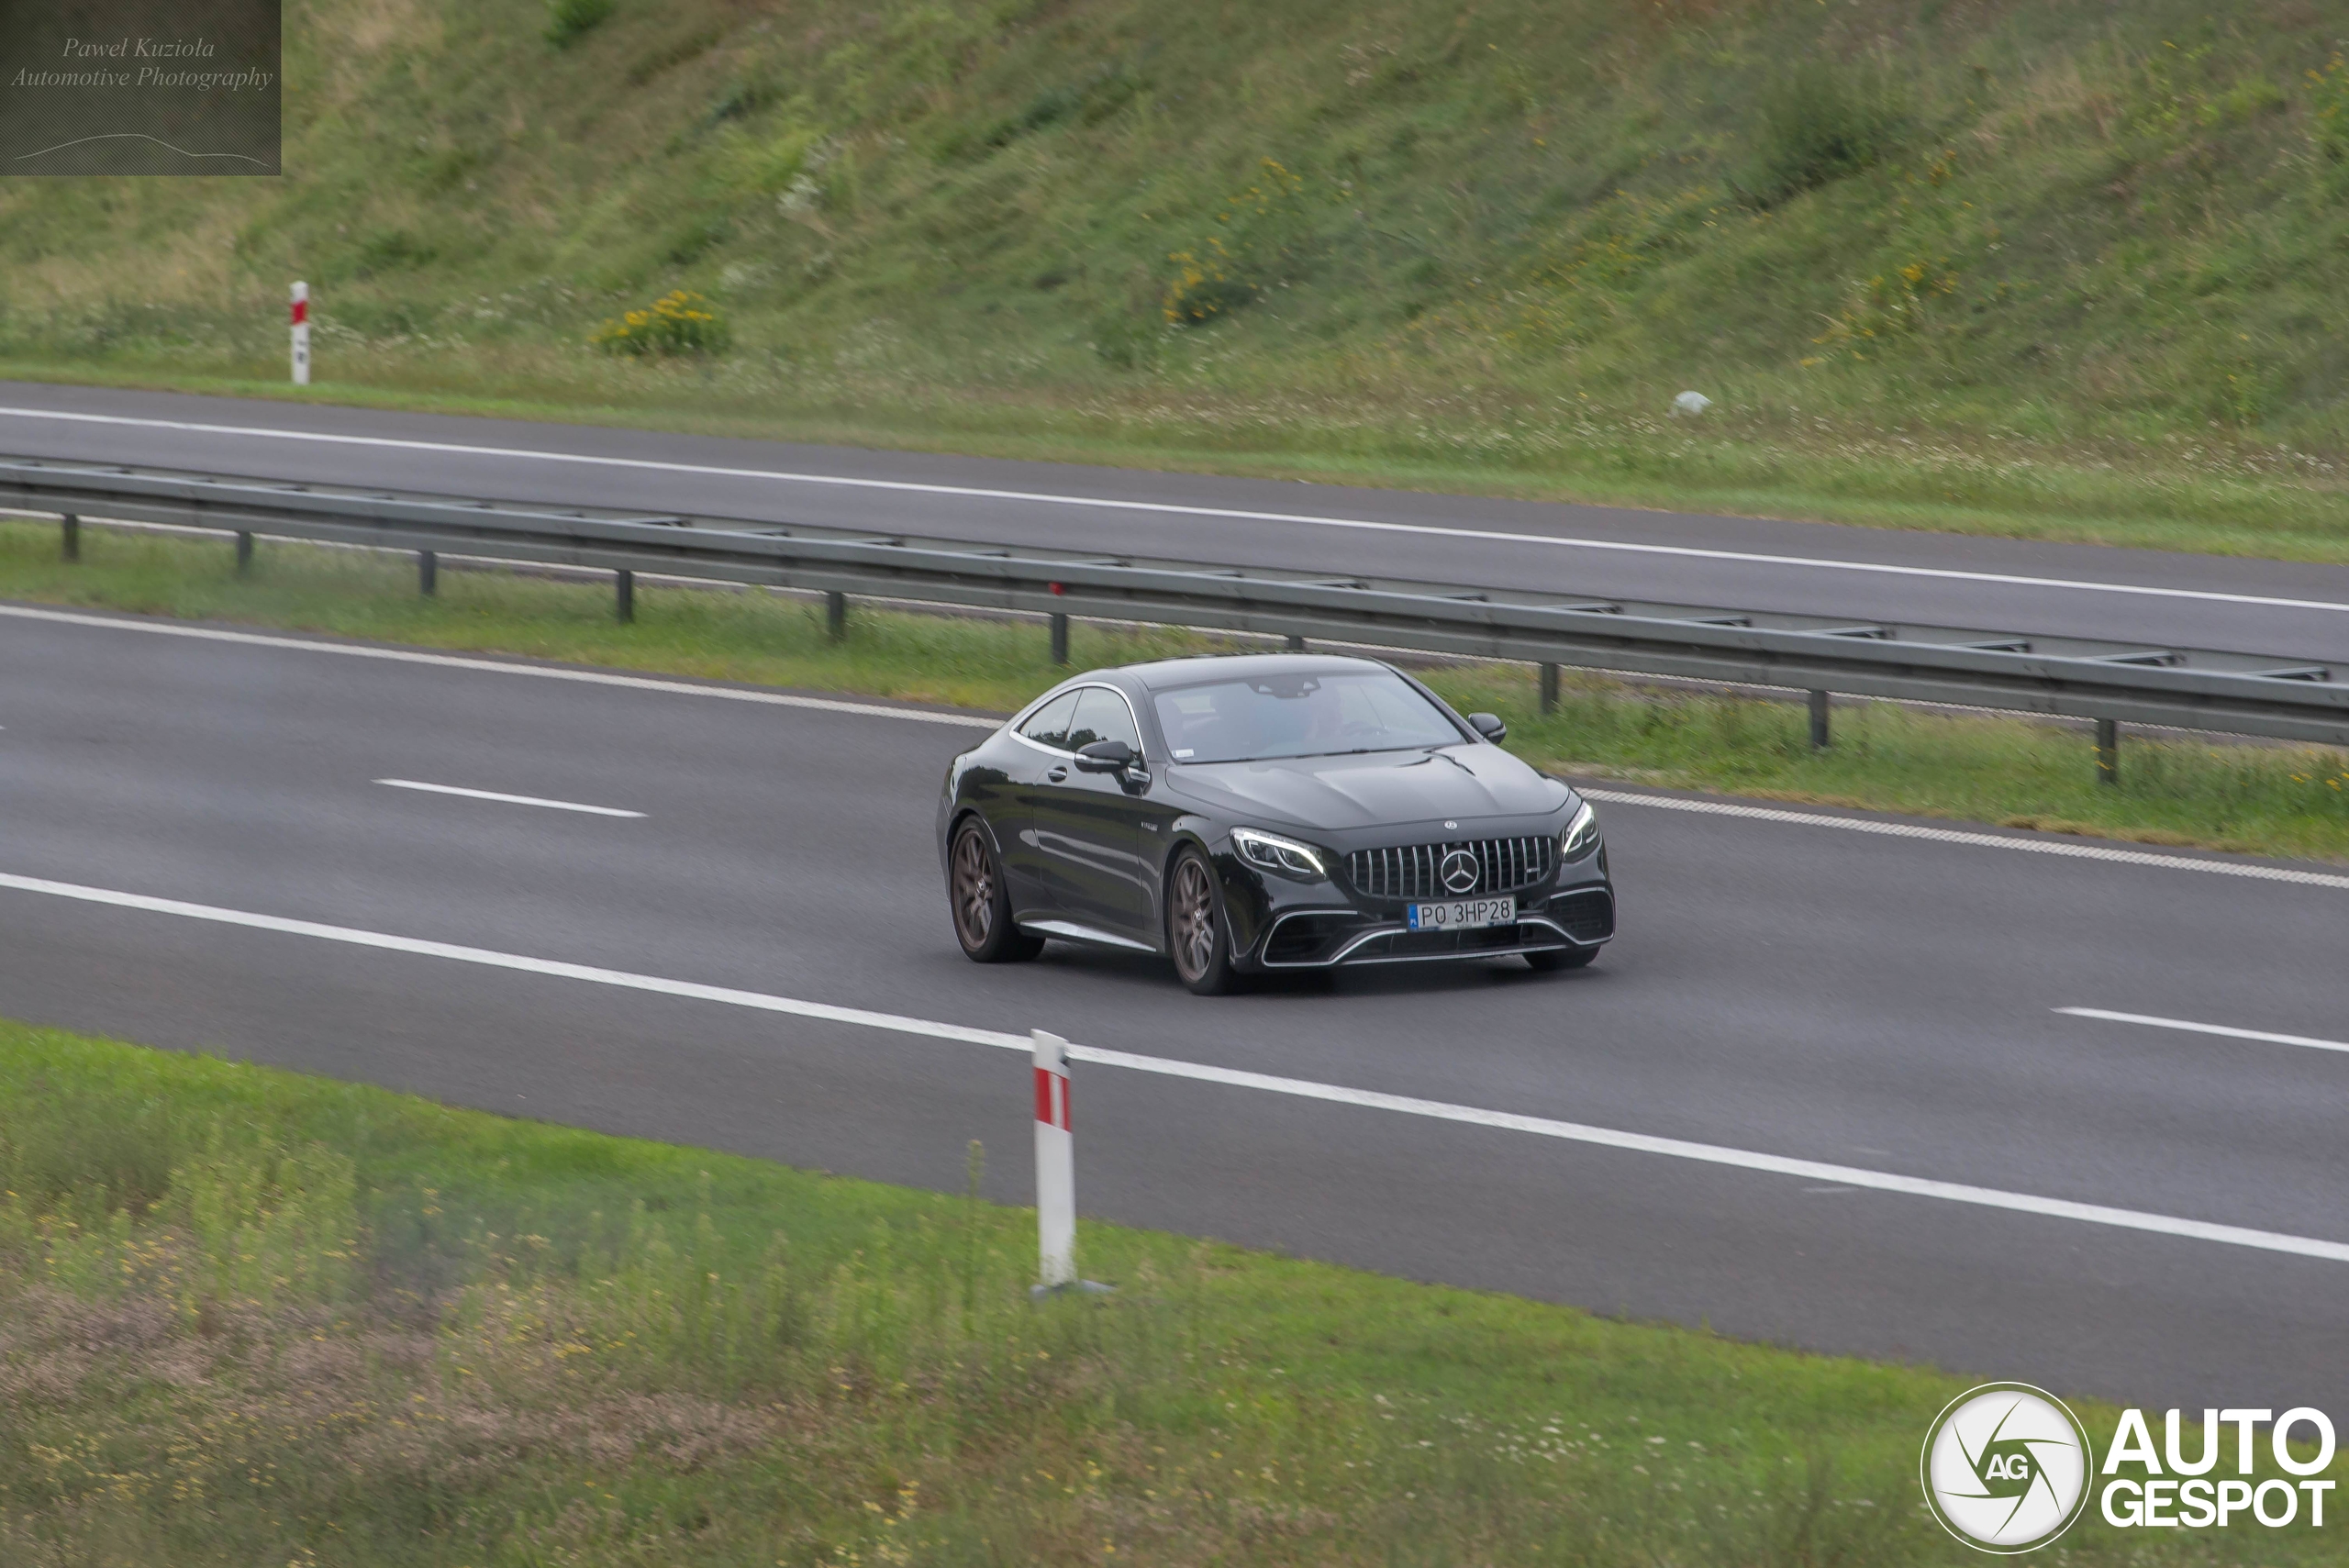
2110,682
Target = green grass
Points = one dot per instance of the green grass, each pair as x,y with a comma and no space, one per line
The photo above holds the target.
2058,270
247,1317
2258,799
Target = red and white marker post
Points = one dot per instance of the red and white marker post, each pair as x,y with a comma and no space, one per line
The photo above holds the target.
301,334
1055,1166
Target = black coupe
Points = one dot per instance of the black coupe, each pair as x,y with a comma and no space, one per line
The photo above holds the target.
1260,813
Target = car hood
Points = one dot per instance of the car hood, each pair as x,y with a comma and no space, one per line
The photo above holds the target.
1378,789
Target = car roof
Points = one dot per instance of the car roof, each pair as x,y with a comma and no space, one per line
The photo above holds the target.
1160,674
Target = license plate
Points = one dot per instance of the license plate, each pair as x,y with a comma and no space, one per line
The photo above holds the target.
1463,914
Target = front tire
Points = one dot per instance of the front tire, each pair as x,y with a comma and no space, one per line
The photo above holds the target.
981,904
1552,959
1196,937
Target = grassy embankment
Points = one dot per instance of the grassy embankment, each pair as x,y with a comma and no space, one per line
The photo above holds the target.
247,1317
2268,800
2065,270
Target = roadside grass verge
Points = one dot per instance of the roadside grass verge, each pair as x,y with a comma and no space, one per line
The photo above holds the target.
2255,799
253,1317
2064,270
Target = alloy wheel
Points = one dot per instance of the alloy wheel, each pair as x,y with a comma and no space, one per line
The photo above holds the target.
1195,928
974,889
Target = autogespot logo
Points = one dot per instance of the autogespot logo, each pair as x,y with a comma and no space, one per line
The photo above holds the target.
2007,1467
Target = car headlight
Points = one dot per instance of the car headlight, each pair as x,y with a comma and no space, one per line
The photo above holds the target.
1275,853
1581,835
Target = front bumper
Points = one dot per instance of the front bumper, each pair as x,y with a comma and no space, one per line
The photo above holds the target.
1284,925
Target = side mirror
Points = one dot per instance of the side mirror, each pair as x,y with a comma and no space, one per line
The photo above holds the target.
1106,757
1489,725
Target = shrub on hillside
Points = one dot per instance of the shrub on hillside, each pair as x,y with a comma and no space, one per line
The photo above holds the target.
1208,281
679,322
1266,234
1819,124
568,19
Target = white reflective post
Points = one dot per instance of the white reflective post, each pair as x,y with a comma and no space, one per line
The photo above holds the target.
1055,1165
301,334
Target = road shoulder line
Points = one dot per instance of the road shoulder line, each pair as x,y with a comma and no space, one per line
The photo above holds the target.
1299,1088
1235,514
498,666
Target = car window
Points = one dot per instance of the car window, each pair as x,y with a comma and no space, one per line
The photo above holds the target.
1322,714
1049,724
1101,715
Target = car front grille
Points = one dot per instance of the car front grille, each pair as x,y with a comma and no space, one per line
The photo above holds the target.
1416,871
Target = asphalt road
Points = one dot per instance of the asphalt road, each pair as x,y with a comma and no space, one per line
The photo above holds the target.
1782,989
2290,610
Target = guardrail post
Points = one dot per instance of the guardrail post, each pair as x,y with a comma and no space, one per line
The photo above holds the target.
1060,638
1296,642
244,554
2108,751
1819,737
70,541
1549,690
427,572
836,616
624,593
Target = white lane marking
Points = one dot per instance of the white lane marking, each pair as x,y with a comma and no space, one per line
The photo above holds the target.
977,721
2222,1030
508,799
354,937
1977,840
1048,498
1196,1072
498,667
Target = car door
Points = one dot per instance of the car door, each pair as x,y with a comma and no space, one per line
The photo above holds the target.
1042,761
1088,827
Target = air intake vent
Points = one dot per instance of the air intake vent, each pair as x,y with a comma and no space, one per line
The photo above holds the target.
1588,916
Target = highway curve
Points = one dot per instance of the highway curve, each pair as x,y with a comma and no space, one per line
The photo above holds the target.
196,853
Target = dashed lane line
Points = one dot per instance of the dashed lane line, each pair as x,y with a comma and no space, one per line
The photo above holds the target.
503,799
2071,848
2043,846
2223,1031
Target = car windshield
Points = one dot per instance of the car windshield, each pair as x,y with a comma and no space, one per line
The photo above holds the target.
1316,714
